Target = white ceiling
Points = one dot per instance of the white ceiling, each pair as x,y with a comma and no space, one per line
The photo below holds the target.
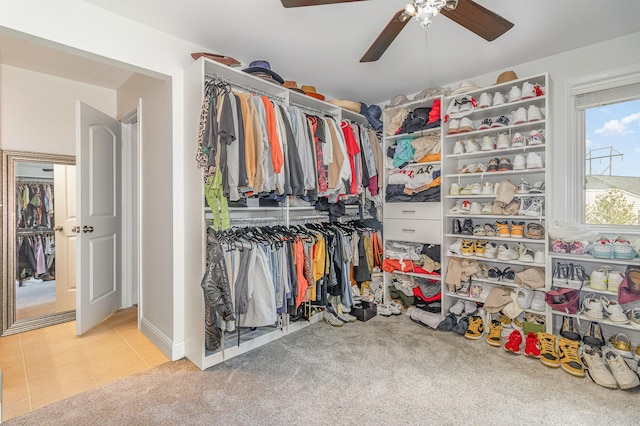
322,45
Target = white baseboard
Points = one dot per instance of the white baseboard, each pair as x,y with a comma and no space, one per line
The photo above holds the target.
173,351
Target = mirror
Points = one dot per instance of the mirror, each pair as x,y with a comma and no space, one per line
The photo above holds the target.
38,240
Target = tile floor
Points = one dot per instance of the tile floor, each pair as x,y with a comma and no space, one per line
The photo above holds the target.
43,366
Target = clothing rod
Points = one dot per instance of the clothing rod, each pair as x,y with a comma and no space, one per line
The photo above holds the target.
245,88
35,231
34,180
313,110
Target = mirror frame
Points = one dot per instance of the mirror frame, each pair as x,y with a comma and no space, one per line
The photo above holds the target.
8,306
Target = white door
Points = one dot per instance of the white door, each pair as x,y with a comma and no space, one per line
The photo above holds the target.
64,198
98,163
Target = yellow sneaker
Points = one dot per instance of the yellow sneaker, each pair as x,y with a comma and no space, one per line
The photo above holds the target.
503,229
495,330
475,329
517,229
468,247
569,360
548,354
480,246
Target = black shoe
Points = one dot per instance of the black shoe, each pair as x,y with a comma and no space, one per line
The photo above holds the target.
456,228
448,323
462,326
467,227
569,329
593,335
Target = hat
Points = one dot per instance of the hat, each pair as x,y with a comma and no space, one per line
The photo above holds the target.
506,77
311,91
431,92
290,84
397,100
350,105
226,60
465,87
260,68
373,114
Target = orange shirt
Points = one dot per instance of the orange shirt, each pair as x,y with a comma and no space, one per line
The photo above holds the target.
276,152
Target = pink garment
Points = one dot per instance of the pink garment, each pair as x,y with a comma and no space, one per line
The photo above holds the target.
41,265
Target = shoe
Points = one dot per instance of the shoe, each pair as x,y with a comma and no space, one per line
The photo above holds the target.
489,228
468,247
512,208
491,250
488,142
494,274
592,307
513,342
498,99
466,190
395,308
462,326
548,354
506,253
569,360
535,231
634,317
534,113
454,126
599,278
471,145
593,362
458,308
537,188
475,328
492,165
575,276
636,354
458,148
503,229
537,302
528,91
475,208
518,162
524,296
518,141
485,100
624,376
534,161
532,345
485,124
345,315
456,227
569,330
470,307
465,206
495,332
508,275
539,257
467,227
621,344
464,288
519,116
466,125
560,273
517,231
593,335
502,121
613,281
523,187
454,189
535,208
505,165
481,246
447,323
383,309
515,94
486,208
333,320
487,188
526,256
478,231
503,141
535,138
614,310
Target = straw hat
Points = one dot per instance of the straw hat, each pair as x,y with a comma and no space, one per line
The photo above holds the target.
311,91
506,76
465,87
350,105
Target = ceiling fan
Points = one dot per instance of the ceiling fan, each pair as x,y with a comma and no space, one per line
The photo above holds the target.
469,14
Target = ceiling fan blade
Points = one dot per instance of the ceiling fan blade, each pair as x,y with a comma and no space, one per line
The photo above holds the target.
301,3
478,19
385,38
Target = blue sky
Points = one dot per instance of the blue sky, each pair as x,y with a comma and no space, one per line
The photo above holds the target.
617,126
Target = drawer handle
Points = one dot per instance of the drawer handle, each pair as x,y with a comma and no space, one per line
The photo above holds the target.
408,230
408,211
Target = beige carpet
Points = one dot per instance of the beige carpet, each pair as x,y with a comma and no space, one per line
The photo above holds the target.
387,371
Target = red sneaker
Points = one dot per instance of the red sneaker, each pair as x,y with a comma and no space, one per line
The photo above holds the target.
532,345
514,342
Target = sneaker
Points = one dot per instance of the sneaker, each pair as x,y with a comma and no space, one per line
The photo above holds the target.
534,209
487,188
478,231
498,99
593,335
495,332
494,274
534,113
467,227
560,273
471,145
457,308
481,246
532,345
524,297
466,125
470,307
512,208
528,91
593,362
492,165
634,320
537,188
502,121
485,124
592,307
569,360
491,250
488,143
454,189
465,206
577,276
462,326
503,229
486,208
485,100
454,126
624,376
613,280
475,328
395,308
383,309
468,247
537,302
489,228
518,162
526,256
508,275
515,94
599,278
517,230
535,138
614,310
344,313
534,161
539,257
548,354
503,141
332,319
447,323
519,116
535,231
475,208
518,141
466,190
458,148
513,342
504,165
569,330
621,344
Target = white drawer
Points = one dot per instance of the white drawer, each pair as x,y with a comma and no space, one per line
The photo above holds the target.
413,210
417,231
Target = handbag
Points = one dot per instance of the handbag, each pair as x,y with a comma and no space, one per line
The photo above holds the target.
564,300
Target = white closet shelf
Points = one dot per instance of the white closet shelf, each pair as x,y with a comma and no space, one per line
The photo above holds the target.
492,152
435,130
417,165
503,173
530,125
489,238
496,260
587,289
478,300
417,274
484,197
496,217
599,321
507,108
589,258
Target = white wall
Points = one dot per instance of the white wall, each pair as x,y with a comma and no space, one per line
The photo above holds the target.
38,111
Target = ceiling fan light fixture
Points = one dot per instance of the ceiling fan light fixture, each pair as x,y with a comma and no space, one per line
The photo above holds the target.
427,9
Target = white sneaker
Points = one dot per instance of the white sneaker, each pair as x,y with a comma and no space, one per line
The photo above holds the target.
599,278
505,252
534,113
535,138
454,189
454,126
518,141
613,310
471,145
503,141
518,163
502,121
519,117
515,94
523,187
598,371
534,209
466,125
537,188
395,308
457,308
534,161
524,297
466,190
537,302
475,208
592,307
487,188
485,124
613,280
488,143
485,100
539,257
476,190
625,377
526,256
383,310
470,307
458,148
486,208
491,251
498,99
528,91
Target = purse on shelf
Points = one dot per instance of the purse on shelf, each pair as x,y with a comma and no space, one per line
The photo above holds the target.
563,300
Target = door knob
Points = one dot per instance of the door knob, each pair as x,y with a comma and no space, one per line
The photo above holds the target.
58,228
86,229
75,229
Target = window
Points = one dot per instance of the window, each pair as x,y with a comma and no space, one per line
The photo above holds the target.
611,143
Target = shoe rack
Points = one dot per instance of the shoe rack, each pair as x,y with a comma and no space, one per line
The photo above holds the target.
496,135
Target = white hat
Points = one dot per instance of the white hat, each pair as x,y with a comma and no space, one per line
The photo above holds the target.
465,87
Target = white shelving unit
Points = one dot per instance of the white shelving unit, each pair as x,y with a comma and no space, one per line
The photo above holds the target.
452,165
195,213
